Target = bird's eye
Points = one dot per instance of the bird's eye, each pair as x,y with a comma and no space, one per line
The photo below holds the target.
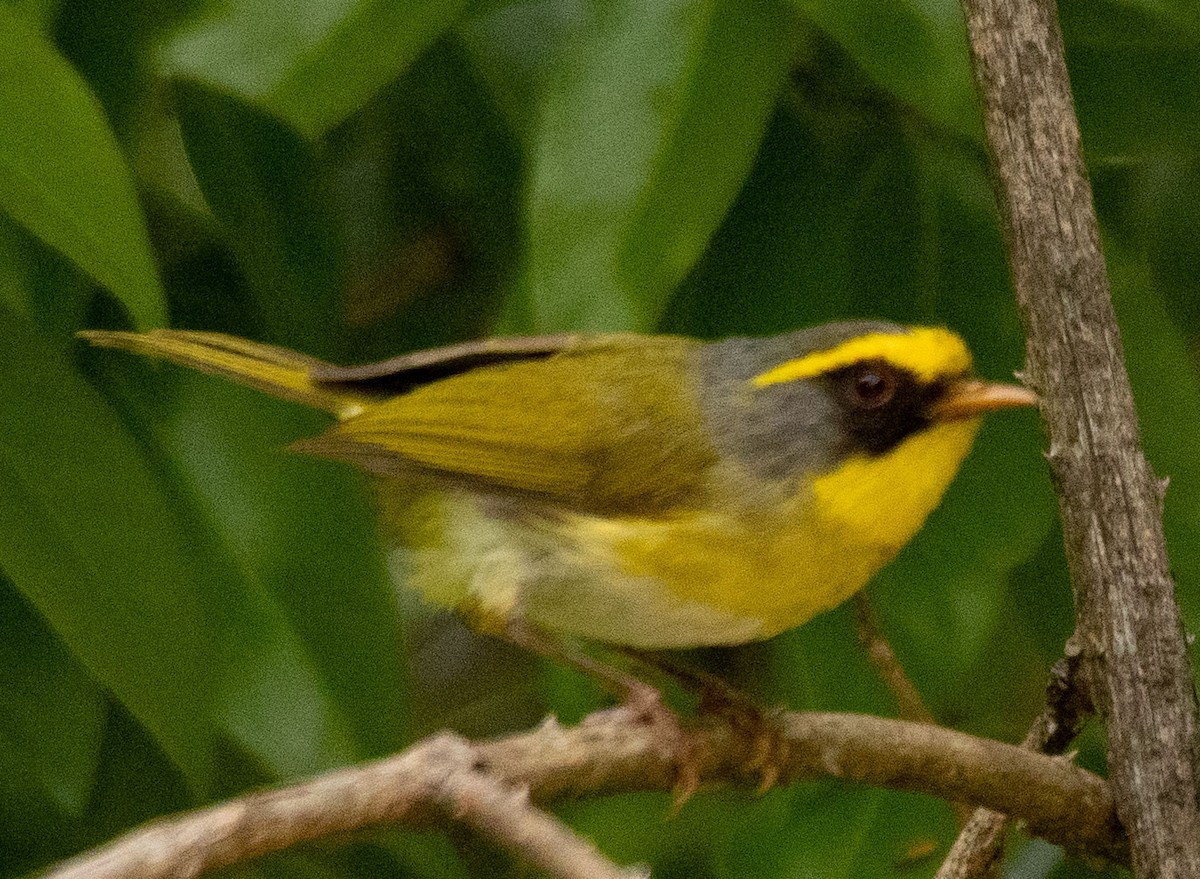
872,386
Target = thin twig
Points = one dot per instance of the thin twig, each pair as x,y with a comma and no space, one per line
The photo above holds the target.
980,845
510,820
909,703
437,778
611,751
908,698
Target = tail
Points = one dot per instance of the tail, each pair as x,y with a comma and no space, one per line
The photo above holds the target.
277,371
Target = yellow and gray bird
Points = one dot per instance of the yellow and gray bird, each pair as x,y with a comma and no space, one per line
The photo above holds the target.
641,491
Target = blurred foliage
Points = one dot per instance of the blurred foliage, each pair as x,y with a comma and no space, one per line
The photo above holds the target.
187,612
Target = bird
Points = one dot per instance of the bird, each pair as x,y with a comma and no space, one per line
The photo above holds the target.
650,492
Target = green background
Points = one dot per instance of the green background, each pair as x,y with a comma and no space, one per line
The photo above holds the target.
186,611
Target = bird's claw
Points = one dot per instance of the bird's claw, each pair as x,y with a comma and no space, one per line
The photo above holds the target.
647,706
769,747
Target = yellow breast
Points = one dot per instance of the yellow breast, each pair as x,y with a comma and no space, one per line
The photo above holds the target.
698,579
784,568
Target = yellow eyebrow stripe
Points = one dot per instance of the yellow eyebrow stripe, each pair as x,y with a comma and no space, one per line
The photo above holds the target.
926,352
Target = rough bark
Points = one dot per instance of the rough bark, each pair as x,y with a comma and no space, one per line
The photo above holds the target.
1136,662
446,781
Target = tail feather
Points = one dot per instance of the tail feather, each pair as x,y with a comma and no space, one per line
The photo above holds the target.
277,371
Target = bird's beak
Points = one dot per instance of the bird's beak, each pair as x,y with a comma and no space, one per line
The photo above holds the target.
968,398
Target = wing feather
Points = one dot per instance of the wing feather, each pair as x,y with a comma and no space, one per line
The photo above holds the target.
407,371
575,429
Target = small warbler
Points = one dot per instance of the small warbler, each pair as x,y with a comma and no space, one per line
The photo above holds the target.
641,491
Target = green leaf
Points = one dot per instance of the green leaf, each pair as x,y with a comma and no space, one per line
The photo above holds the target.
34,831
53,713
62,174
827,830
41,284
1164,214
260,178
832,235
730,89
635,829
1149,213
1167,390
140,588
644,143
88,540
914,49
136,781
306,532
944,599
817,667
1135,73
433,233
312,62
422,855
517,47
38,12
16,285
275,712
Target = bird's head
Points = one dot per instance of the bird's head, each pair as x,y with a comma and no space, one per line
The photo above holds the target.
882,412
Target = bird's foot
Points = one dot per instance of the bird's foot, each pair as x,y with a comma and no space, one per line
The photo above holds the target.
638,699
769,749
645,703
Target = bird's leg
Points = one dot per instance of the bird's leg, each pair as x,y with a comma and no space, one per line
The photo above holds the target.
514,629
643,700
627,689
769,746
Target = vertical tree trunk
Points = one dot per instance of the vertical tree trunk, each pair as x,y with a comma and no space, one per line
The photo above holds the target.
1135,655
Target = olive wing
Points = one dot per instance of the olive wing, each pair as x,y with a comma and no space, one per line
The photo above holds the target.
612,426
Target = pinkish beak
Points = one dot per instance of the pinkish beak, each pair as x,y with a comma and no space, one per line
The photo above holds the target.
969,398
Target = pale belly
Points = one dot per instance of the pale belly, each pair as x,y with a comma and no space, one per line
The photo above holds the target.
704,581
700,581
696,580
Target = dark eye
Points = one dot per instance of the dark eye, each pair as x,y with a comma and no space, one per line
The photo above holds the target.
872,386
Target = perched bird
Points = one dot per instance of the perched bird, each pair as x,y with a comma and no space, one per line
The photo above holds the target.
641,491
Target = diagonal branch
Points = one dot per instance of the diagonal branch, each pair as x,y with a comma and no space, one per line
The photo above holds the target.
979,847
438,779
1134,652
881,655
445,779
